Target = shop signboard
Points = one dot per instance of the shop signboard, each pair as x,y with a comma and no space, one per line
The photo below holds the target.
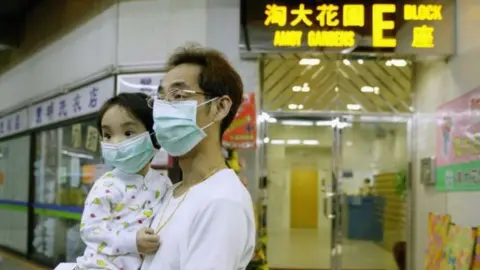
242,133
458,143
83,101
14,123
345,26
146,83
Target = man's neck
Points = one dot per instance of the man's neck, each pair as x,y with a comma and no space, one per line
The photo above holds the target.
200,165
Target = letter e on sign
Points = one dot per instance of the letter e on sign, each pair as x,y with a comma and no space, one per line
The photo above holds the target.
379,25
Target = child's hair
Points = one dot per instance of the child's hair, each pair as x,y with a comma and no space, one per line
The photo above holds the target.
135,104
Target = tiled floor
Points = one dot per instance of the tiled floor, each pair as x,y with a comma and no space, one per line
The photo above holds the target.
310,249
10,262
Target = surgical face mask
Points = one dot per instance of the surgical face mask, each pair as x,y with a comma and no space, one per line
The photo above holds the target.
129,156
175,125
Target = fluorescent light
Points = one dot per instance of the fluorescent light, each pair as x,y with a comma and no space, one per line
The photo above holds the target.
354,107
333,123
271,120
370,89
349,143
396,63
297,123
346,62
277,142
360,61
295,106
266,140
294,142
301,88
310,142
336,88
323,123
297,88
309,61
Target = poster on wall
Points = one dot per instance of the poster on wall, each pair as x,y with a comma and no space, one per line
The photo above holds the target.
458,144
242,133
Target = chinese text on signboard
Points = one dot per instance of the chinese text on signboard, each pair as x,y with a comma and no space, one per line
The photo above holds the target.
334,25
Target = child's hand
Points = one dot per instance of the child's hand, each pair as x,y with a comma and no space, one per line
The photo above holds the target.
147,241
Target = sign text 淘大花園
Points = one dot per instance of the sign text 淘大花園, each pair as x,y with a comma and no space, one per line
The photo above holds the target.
344,19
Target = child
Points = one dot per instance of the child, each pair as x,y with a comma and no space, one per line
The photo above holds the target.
119,208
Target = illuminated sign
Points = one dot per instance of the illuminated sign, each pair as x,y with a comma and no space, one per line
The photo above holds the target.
333,25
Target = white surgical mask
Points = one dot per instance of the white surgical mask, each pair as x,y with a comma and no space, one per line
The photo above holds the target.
175,125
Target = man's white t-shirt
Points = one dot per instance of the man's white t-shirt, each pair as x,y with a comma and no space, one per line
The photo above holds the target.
212,227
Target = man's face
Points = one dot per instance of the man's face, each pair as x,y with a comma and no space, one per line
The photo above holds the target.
181,83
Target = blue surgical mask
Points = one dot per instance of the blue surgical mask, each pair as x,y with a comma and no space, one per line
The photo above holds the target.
129,156
175,125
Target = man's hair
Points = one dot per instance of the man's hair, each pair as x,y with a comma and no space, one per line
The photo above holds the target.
136,105
217,76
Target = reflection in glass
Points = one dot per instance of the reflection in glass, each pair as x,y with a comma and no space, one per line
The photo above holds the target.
67,161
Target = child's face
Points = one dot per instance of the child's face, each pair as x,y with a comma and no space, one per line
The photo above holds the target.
118,125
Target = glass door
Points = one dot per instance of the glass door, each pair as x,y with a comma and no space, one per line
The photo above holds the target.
368,209
334,195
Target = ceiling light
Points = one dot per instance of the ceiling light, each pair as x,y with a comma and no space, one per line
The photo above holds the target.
295,106
333,123
297,123
309,62
346,62
360,61
370,89
266,140
271,120
354,107
323,123
396,63
349,143
310,142
336,88
277,142
294,142
301,88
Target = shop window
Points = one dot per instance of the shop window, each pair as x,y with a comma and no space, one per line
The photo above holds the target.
14,179
67,161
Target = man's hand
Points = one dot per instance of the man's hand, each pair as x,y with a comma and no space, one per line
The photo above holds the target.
147,241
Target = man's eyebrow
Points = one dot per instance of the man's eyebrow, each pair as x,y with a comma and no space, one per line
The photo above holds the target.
179,84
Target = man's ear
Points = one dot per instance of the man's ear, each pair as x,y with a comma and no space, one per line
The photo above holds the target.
224,104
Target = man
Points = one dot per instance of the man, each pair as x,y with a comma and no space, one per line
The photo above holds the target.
206,222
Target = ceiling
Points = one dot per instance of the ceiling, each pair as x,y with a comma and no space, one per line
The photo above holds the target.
335,83
12,17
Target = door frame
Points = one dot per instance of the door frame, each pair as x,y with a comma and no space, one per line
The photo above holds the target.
334,196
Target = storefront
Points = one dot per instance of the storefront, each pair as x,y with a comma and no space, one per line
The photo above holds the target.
336,102
15,164
49,158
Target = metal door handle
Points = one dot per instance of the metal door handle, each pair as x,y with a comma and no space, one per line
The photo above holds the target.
326,199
